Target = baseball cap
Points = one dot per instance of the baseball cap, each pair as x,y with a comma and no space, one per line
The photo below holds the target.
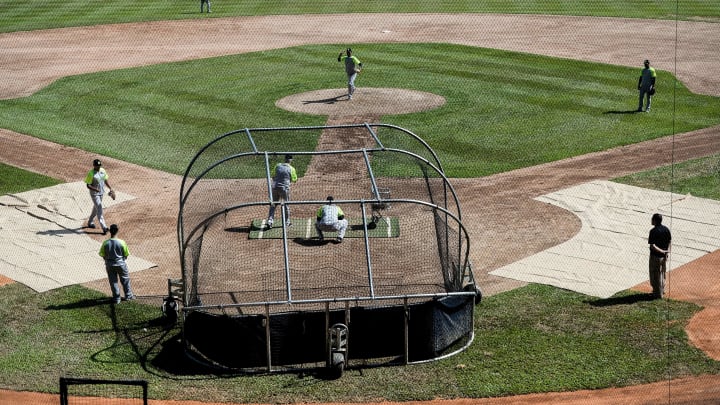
113,228
97,162
646,62
288,157
330,198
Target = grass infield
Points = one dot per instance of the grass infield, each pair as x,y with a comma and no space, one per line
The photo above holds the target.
160,116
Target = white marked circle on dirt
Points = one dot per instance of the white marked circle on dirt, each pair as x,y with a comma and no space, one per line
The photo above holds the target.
377,101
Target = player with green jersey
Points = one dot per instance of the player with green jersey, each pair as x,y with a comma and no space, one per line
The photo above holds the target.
353,66
646,86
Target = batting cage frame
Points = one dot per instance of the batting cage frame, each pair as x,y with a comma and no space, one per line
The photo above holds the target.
262,295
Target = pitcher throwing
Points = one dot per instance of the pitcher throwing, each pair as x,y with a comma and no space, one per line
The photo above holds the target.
353,66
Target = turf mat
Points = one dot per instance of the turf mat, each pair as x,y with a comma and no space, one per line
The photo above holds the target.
304,228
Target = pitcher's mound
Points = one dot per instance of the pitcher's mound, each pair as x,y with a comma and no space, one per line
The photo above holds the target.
379,101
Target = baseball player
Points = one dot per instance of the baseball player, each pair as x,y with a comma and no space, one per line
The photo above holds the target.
330,218
353,66
283,175
646,86
115,252
659,240
96,180
204,2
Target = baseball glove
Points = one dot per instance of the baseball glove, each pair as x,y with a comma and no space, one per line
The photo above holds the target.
652,91
112,194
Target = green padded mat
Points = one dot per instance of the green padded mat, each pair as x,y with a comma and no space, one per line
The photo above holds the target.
304,228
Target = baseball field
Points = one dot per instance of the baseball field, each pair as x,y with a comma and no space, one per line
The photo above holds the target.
518,100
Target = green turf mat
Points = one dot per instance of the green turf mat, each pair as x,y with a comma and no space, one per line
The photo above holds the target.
304,228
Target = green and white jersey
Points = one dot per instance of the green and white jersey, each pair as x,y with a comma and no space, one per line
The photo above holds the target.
283,174
114,251
329,214
646,78
350,64
97,179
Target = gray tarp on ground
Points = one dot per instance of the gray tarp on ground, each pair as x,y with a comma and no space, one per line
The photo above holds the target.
42,242
610,253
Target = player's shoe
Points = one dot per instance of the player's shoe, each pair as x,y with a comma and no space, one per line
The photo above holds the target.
339,239
269,223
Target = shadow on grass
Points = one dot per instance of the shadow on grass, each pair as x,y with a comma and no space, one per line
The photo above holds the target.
85,303
622,112
623,300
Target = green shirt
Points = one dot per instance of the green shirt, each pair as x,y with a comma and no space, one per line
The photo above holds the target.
350,63
114,251
647,78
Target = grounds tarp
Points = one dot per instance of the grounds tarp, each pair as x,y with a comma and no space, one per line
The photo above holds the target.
304,228
610,253
43,244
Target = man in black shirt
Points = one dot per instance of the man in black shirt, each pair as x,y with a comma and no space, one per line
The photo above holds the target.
659,241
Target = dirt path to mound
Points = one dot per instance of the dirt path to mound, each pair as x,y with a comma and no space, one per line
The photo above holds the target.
498,209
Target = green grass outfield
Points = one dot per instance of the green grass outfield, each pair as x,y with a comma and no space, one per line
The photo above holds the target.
494,119
43,14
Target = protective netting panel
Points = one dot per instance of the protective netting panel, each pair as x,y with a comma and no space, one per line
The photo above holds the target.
81,391
377,334
451,247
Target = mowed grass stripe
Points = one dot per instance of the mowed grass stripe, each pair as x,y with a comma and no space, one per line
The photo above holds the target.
499,105
43,14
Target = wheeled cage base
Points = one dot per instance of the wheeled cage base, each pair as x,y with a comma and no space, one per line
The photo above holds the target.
409,332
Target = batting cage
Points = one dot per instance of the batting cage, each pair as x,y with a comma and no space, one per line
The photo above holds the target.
398,288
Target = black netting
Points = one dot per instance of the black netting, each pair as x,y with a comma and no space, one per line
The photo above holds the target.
378,333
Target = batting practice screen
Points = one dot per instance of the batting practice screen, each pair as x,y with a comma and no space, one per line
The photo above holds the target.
400,279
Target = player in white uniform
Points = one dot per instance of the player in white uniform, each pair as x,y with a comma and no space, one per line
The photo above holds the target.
96,180
352,68
330,218
283,175
115,252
